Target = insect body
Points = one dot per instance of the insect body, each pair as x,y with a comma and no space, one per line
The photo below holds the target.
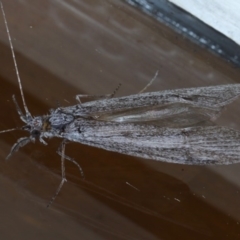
119,124
173,126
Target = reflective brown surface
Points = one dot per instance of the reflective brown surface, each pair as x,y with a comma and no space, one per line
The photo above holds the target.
68,47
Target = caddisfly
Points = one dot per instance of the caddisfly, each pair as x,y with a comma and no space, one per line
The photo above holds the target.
173,126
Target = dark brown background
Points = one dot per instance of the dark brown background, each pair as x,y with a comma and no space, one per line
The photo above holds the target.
64,48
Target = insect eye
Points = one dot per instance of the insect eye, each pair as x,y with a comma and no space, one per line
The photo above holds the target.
35,133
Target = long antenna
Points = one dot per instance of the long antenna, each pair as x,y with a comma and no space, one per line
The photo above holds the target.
28,114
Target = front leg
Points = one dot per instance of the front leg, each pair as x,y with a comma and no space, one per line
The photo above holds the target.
42,141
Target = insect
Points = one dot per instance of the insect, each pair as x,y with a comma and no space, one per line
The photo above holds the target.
174,126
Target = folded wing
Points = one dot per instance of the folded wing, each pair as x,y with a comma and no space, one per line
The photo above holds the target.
193,145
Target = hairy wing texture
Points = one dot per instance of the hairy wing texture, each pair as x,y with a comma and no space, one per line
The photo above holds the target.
193,145
213,97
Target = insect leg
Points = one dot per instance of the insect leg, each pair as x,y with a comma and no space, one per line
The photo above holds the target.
9,130
62,149
21,142
98,96
20,113
91,96
115,91
150,83
59,152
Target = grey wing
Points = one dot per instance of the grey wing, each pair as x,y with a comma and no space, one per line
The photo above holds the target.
205,102
171,115
195,145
